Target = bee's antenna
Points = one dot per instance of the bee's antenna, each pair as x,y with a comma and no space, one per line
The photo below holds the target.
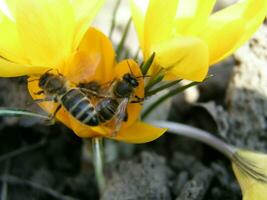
145,76
33,80
130,67
59,73
49,70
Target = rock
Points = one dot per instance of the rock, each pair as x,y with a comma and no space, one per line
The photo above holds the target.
144,178
14,94
197,187
247,95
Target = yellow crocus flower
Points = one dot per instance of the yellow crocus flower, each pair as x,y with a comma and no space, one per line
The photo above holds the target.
251,171
187,38
39,35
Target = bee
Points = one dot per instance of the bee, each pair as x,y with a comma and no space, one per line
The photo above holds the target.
115,106
76,102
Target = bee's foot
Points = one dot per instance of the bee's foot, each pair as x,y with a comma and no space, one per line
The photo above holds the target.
50,121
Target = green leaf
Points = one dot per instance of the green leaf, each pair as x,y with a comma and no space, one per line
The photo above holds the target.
16,112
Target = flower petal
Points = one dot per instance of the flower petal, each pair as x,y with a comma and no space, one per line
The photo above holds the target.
251,181
229,28
46,29
138,9
85,11
140,132
187,57
94,59
251,189
10,47
191,15
10,69
159,22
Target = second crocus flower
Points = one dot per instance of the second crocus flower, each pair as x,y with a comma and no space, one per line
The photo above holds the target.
187,37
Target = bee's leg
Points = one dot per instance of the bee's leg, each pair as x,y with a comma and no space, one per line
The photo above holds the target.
39,101
125,117
138,99
39,93
53,116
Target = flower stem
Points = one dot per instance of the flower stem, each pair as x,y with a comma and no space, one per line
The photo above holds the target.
200,135
155,79
163,98
97,147
163,87
123,39
114,14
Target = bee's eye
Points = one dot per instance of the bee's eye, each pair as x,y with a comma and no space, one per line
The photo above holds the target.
134,83
131,80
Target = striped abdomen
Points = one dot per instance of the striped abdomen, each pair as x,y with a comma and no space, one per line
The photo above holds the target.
107,109
80,107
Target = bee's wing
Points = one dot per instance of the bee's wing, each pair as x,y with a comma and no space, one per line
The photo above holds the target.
120,116
105,91
92,93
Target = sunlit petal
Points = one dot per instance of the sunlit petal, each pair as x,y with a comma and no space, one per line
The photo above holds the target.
10,46
186,56
229,28
94,59
140,132
45,29
192,15
10,69
159,22
139,8
85,11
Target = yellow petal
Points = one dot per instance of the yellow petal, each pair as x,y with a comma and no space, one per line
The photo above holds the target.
186,56
159,22
256,164
192,15
94,59
251,189
10,69
138,9
10,47
85,11
140,132
229,28
46,29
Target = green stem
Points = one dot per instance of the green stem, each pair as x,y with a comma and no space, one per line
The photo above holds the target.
155,79
200,135
146,65
122,42
97,147
163,87
163,98
15,112
113,22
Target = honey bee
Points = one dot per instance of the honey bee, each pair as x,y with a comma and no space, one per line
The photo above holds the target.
77,103
109,105
115,105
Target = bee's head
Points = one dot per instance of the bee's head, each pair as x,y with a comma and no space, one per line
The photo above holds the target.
52,83
131,79
44,79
